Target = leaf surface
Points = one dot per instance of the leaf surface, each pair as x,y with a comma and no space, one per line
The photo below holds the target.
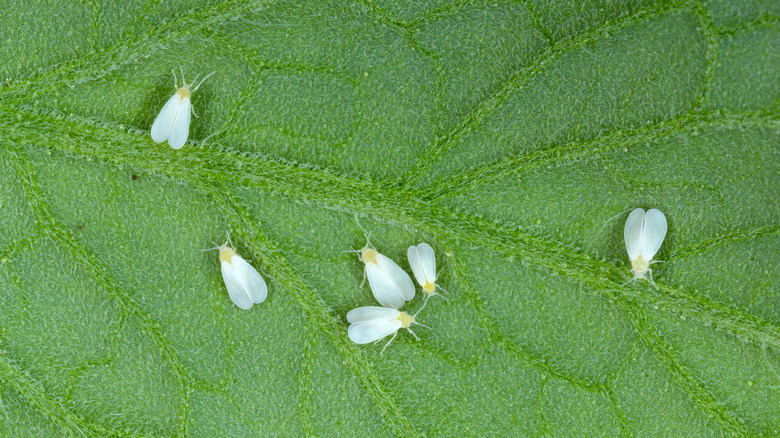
514,137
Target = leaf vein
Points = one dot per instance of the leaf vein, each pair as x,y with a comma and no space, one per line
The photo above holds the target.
518,80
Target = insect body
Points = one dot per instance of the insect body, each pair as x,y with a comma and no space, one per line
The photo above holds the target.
173,122
644,233
244,284
373,323
423,262
391,285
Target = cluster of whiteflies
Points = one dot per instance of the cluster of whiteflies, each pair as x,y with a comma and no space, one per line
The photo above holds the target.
392,287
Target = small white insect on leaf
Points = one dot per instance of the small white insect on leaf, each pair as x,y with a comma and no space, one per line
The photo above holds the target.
391,285
244,284
373,323
173,122
644,233
422,259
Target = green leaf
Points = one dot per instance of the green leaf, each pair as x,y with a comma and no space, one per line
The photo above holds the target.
514,137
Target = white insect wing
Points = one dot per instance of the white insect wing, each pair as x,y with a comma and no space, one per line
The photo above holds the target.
369,331
180,129
163,124
653,233
244,284
235,282
633,233
413,254
428,261
390,284
256,287
383,287
369,313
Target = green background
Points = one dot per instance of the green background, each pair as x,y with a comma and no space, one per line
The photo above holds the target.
513,136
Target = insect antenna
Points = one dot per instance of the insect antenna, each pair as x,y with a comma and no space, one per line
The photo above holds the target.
422,325
202,80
